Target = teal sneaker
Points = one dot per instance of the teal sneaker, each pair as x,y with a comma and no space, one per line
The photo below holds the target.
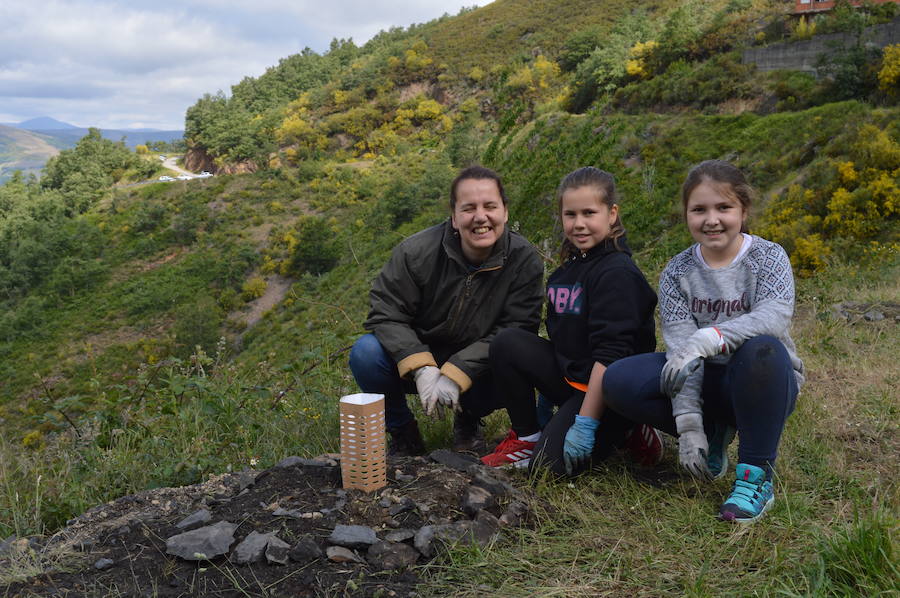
751,495
721,437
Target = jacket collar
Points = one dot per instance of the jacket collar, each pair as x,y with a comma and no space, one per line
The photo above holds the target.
605,248
453,247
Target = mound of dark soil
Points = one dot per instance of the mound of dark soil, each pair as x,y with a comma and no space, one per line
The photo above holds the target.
296,532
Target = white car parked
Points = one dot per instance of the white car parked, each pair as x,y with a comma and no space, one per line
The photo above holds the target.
184,177
204,175
166,179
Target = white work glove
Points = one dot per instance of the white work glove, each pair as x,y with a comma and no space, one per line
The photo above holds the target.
693,448
706,342
426,378
447,392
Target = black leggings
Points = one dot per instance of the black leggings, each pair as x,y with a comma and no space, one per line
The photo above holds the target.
522,362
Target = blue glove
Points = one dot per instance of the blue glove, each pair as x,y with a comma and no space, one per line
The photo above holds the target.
544,411
579,442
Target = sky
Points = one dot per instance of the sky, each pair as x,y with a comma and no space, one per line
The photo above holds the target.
139,64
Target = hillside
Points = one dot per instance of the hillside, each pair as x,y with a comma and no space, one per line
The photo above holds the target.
23,150
158,335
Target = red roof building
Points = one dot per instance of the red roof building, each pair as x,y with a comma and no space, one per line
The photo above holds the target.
814,6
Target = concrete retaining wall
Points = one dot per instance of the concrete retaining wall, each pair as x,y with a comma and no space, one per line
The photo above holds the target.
802,56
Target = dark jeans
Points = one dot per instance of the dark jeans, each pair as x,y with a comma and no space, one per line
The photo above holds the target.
375,371
754,392
522,362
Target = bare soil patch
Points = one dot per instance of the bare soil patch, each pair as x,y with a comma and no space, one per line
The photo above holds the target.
131,533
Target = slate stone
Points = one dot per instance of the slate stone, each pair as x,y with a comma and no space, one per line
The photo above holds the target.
873,316
512,517
245,479
193,520
457,461
103,564
339,554
251,548
277,551
6,545
204,543
352,536
305,550
300,462
407,504
430,537
389,556
399,535
476,499
497,487
485,527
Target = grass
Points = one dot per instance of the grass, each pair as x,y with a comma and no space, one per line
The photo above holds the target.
832,532
620,531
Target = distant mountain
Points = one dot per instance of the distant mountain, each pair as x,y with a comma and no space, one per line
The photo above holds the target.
44,123
63,135
66,138
23,150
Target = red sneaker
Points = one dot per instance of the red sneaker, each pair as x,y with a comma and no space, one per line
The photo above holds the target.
511,451
645,445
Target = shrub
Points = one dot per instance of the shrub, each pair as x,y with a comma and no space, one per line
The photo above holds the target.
254,288
197,324
314,250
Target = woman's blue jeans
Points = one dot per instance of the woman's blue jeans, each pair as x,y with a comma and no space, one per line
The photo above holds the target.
376,371
754,392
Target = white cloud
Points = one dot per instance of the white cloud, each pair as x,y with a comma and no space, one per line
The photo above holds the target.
112,63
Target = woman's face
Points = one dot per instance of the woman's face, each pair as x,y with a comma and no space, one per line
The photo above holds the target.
479,216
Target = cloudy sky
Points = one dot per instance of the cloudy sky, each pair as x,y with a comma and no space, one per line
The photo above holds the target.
128,64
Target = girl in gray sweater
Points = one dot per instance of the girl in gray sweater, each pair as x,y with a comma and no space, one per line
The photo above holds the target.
731,366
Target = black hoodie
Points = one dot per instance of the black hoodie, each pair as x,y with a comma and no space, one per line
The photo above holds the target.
600,309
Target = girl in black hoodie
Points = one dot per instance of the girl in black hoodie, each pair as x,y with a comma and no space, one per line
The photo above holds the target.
599,309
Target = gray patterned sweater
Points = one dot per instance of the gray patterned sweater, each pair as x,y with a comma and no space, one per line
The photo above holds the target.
752,296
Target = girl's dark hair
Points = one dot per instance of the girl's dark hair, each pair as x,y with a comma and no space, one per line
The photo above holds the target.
475,172
606,185
726,178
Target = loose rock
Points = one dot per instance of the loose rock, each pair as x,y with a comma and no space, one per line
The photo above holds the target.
352,536
204,543
305,550
456,461
339,554
103,564
193,520
399,535
277,551
251,549
476,499
389,556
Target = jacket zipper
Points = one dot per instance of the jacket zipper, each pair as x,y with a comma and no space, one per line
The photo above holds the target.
465,295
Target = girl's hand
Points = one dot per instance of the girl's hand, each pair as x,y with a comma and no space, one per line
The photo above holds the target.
579,443
693,448
706,342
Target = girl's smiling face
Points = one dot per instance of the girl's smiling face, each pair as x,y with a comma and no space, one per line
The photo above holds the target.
586,219
715,220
